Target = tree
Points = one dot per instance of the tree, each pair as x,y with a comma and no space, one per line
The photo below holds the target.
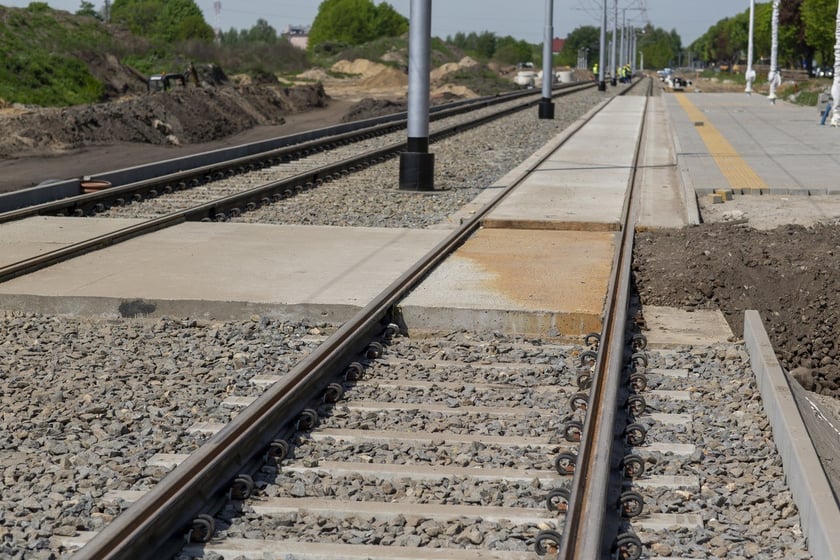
262,32
354,22
87,9
661,48
511,51
818,18
162,20
585,37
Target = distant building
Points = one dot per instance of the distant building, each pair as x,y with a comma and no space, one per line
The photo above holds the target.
297,35
557,45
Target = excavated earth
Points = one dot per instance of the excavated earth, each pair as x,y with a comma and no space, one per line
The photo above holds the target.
790,274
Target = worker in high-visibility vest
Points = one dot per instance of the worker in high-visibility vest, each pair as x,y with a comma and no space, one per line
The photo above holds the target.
595,69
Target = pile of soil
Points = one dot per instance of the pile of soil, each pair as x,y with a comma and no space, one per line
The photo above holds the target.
185,115
790,275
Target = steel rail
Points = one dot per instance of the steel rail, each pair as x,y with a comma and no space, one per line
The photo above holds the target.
188,174
589,527
238,202
155,525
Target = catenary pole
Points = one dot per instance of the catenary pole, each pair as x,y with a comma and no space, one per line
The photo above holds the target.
774,77
750,76
546,107
602,84
835,88
613,61
417,165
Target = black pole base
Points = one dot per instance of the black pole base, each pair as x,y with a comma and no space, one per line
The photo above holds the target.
546,110
613,82
602,86
417,171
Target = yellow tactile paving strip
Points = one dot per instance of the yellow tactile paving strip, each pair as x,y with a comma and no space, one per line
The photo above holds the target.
737,172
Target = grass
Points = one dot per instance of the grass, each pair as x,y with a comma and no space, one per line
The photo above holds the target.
38,63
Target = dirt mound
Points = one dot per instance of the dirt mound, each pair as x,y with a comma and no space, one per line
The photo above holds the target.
369,108
374,75
452,91
791,275
441,71
181,116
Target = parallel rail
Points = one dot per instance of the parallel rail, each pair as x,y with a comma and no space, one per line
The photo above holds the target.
155,525
184,173
219,209
598,459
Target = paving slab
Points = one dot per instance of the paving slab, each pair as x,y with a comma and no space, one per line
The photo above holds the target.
582,185
745,143
540,282
222,271
662,202
668,326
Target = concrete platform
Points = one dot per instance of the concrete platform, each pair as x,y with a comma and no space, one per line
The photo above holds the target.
221,271
518,281
747,145
582,185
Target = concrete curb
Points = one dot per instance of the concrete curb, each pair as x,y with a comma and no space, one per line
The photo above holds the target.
811,491
692,209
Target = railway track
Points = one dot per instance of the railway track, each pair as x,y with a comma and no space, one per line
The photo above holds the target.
377,445
292,404
218,196
306,160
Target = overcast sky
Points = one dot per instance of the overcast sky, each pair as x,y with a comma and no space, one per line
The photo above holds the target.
522,19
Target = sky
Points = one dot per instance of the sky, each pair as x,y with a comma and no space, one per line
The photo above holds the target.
522,19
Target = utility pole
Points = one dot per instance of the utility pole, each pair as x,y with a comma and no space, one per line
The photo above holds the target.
750,76
602,84
774,77
417,165
835,88
546,107
614,64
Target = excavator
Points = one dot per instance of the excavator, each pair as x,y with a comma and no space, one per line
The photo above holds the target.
165,81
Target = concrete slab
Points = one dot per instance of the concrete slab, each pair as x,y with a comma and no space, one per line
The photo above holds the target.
668,326
657,179
550,283
582,185
24,239
731,140
226,271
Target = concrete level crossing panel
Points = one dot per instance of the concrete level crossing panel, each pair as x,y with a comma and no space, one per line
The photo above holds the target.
219,271
582,185
520,281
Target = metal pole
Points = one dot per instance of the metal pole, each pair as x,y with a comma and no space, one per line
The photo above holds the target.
613,61
417,165
632,50
750,76
623,59
546,107
835,87
774,78
602,84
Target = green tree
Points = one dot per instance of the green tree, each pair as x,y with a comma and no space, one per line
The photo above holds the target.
88,9
511,51
262,32
162,20
819,18
585,37
661,48
354,22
